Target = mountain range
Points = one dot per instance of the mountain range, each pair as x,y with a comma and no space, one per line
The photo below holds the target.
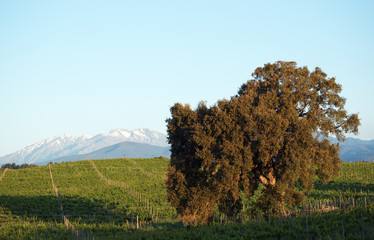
143,142
119,150
354,150
67,145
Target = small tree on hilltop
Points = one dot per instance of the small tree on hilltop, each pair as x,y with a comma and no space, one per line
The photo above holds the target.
274,132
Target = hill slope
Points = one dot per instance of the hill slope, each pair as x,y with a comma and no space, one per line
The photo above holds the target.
119,150
29,208
354,150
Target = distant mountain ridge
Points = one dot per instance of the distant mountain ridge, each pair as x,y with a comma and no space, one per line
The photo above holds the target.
66,145
119,150
119,143
355,150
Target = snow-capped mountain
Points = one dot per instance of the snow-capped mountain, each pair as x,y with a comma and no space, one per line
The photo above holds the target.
66,145
119,150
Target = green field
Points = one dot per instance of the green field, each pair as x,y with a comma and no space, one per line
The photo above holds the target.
106,201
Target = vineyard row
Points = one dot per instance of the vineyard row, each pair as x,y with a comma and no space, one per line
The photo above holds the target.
77,234
133,193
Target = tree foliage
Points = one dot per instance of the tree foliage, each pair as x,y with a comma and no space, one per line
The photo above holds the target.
274,132
15,166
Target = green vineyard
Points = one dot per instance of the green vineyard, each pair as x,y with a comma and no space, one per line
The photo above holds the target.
126,199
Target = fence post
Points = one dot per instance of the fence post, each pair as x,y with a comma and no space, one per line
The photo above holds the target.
362,228
137,222
280,215
307,226
309,205
293,224
157,216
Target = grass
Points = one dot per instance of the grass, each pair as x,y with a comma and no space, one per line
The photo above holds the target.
29,207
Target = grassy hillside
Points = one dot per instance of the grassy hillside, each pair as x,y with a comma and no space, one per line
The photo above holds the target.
28,206
104,197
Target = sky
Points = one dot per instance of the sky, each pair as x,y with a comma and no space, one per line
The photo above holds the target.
87,67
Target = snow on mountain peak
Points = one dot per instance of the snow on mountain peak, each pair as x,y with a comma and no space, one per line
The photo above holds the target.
120,132
66,144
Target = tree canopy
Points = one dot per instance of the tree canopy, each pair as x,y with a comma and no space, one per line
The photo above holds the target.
274,133
15,166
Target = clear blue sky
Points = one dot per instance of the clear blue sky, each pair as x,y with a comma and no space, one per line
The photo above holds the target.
86,67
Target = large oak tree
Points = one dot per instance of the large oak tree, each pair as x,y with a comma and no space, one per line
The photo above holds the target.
274,132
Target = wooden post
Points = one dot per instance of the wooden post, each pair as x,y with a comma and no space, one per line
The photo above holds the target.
308,207
362,228
307,226
157,216
137,222
340,202
293,224
280,219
